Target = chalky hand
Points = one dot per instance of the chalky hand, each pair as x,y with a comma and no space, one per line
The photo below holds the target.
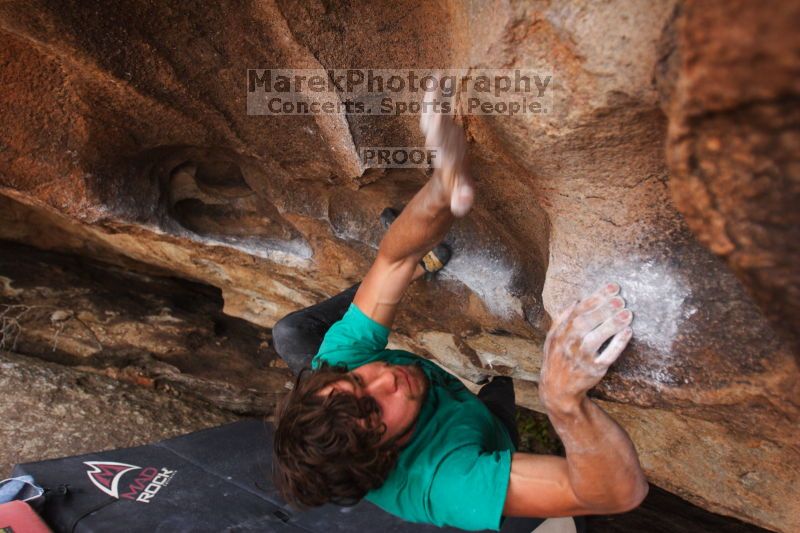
447,137
573,362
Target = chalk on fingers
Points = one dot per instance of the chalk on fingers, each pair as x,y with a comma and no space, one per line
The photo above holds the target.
461,200
615,347
612,288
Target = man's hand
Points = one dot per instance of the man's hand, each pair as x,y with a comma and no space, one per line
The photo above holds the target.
573,363
601,473
451,180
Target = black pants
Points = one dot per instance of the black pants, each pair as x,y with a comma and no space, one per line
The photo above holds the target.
298,336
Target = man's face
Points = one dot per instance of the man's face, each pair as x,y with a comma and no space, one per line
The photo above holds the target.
399,390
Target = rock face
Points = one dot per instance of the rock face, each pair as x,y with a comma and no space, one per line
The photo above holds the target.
127,140
85,413
156,332
733,143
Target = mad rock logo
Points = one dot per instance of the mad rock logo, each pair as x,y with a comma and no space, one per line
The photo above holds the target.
141,487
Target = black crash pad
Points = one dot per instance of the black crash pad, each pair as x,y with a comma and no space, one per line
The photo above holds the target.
212,480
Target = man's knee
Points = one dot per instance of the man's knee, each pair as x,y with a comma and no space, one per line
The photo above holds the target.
286,333
295,341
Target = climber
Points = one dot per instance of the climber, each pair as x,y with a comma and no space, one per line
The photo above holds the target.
396,429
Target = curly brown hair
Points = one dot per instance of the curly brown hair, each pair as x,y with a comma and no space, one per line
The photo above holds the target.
327,448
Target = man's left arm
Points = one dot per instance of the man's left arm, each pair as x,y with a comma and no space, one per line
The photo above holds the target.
601,473
422,224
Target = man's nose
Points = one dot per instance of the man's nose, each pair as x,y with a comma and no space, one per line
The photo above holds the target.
385,381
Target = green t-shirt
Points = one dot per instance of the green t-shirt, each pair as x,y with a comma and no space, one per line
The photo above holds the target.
455,469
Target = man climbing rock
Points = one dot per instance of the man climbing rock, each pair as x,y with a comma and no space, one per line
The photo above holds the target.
394,428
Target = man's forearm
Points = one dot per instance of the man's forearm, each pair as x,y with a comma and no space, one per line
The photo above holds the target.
421,226
604,469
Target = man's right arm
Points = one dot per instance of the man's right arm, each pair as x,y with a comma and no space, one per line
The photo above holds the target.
601,473
421,225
